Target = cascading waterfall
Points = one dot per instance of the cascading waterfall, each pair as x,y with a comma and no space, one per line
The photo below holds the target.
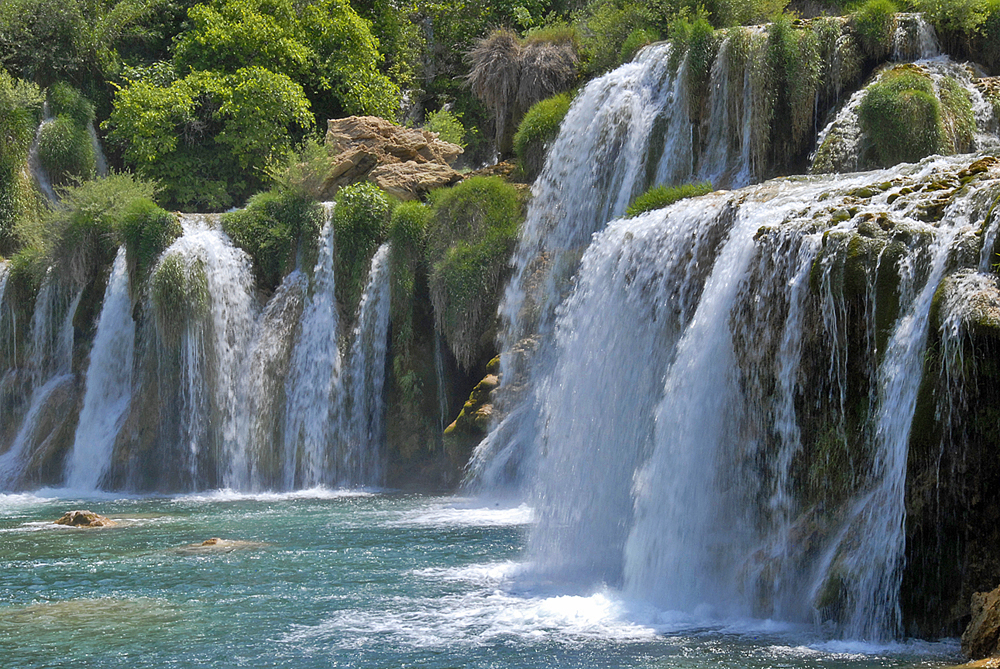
262,410
914,38
314,376
109,384
362,429
51,367
676,456
625,131
202,346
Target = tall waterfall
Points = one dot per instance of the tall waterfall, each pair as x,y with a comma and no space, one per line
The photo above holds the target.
50,366
363,424
109,384
313,380
205,312
686,446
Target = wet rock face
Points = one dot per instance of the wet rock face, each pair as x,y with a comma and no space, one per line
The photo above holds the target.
982,637
406,162
85,519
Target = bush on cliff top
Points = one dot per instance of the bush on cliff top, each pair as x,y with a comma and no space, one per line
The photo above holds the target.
901,117
469,242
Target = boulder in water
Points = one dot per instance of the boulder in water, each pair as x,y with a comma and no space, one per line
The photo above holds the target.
85,519
981,638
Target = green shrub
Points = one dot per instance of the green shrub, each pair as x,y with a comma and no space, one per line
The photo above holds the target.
64,100
271,228
661,196
469,242
636,40
20,110
537,129
81,235
179,292
697,41
605,26
447,125
360,221
27,269
66,151
147,231
957,116
901,117
408,236
873,25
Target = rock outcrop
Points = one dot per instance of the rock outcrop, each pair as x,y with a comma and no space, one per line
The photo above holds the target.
982,637
406,162
472,423
85,519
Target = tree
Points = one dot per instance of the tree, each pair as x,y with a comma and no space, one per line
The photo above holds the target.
207,137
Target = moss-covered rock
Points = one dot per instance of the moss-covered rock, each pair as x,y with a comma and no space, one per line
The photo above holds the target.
901,117
273,228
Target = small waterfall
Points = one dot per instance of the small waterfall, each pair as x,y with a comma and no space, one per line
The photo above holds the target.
41,177
361,459
51,366
101,161
914,38
312,386
840,145
204,328
261,413
109,384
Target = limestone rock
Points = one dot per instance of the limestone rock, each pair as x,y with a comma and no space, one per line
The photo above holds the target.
410,180
408,161
85,519
982,637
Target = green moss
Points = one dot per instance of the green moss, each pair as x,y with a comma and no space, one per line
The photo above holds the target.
873,26
66,151
662,196
408,237
27,269
179,292
957,116
901,117
360,222
470,239
147,231
537,129
272,228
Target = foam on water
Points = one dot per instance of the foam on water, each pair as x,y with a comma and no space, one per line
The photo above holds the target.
457,516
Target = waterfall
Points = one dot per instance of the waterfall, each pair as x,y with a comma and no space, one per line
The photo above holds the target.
314,376
109,384
51,367
721,424
261,413
914,38
204,321
361,460
41,177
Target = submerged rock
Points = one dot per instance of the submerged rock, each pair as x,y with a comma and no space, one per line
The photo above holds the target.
982,637
85,519
217,545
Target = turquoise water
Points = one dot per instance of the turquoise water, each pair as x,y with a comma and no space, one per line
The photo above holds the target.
331,579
